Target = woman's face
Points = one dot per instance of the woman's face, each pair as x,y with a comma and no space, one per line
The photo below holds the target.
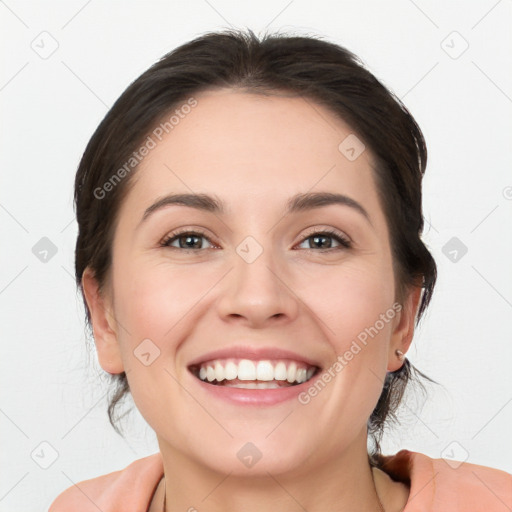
256,280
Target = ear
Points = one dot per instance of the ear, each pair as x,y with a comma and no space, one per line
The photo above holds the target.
103,324
403,331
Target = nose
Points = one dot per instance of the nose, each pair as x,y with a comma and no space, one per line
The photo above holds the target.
258,293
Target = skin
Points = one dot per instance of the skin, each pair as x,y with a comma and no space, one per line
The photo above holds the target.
254,152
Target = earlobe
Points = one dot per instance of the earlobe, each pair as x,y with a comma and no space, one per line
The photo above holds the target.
103,324
404,328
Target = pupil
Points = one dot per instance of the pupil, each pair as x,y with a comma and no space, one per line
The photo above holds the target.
322,237
187,244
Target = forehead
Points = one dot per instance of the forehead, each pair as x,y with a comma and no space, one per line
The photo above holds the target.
235,144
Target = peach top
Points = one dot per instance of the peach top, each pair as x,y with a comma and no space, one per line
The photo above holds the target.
436,485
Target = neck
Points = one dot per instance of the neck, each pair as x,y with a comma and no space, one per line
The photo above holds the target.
345,480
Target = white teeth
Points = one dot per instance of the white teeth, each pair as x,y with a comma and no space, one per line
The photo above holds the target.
219,372
292,372
210,373
231,371
246,370
280,372
301,375
266,371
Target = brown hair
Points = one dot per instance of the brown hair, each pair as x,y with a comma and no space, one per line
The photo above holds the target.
303,66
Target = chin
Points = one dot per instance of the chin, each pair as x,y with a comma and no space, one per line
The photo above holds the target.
255,455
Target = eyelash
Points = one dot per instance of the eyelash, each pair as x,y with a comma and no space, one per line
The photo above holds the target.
344,242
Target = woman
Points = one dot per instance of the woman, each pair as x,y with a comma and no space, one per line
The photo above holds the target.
250,257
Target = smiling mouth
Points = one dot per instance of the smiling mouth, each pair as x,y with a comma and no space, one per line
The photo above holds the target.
254,374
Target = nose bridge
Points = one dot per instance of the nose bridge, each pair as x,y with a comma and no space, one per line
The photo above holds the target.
255,288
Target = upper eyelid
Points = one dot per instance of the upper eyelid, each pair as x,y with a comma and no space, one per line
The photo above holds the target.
328,231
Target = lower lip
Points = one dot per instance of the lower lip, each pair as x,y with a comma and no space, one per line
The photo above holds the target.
256,396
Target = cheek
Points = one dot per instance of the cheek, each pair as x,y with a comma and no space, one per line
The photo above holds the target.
349,299
155,299
152,306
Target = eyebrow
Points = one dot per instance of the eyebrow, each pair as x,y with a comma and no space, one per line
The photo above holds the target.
297,203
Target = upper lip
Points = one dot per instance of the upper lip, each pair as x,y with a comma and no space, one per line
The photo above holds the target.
253,353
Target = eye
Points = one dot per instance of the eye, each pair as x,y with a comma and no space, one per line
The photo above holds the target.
192,240
324,239
185,239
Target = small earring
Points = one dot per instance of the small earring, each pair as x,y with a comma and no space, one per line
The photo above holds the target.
399,354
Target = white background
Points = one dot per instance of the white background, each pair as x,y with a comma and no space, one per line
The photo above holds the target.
50,385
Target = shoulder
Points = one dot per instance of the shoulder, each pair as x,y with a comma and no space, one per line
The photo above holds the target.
437,483
129,489
472,486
